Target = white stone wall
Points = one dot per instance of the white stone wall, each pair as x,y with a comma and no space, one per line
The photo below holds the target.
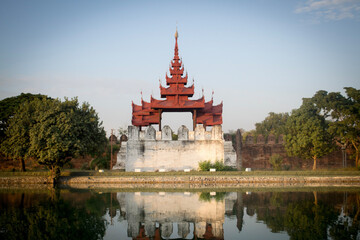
121,156
229,154
150,150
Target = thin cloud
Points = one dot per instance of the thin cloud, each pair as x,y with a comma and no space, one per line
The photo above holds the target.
330,10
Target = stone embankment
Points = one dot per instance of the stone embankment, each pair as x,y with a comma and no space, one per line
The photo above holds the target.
189,180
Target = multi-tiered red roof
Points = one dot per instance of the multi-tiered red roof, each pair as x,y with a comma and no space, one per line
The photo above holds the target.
177,100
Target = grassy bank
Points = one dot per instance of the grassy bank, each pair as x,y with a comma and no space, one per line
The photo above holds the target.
114,173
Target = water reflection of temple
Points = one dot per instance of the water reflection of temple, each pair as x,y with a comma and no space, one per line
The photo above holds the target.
173,215
202,215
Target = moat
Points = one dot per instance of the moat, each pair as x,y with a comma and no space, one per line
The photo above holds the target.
309,213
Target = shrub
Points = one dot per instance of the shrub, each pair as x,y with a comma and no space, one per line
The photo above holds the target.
276,161
228,168
218,165
205,165
286,167
101,162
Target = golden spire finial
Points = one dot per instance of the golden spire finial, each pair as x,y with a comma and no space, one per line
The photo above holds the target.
176,34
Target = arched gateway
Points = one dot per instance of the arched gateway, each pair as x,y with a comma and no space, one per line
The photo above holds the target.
152,150
177,100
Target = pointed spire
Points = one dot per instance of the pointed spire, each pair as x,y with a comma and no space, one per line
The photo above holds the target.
176,44
212,95
176,34
141,95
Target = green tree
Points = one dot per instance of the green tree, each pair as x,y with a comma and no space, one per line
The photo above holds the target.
352,121
17,137
9,106
346,119
55,132
276,161
343,113
64,130
273,124
308,135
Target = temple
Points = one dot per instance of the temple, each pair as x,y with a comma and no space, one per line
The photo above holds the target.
149,150
176,96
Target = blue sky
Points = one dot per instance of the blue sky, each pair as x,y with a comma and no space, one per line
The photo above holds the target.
257,56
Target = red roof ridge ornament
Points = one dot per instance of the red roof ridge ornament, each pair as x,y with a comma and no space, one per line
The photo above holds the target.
175,98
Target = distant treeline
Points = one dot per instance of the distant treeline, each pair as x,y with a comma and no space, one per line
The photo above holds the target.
323,123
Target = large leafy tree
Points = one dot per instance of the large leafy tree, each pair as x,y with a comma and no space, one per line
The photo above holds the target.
343,113
9,106
272,124
346,119
13,107
56,131
351,121
307,133
16,141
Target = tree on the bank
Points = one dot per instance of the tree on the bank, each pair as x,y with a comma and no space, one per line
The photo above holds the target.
349,124
273,124
344,115
16,142
307,133
9,106
56,131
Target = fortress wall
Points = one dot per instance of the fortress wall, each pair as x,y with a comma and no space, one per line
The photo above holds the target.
256,154
151,150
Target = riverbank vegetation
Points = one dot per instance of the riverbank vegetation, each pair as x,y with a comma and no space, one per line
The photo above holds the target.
218,166
52,132
323,123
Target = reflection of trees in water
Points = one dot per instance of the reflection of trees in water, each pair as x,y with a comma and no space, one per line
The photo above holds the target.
304,215
347,226
52,219
206,196
307,215
307,220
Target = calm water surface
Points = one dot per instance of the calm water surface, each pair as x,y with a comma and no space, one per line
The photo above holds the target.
90,214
